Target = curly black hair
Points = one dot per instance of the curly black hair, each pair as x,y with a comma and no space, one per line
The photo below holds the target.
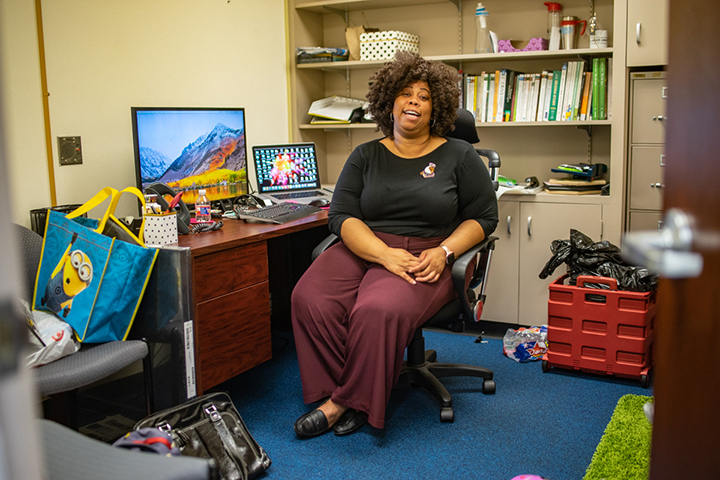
406,69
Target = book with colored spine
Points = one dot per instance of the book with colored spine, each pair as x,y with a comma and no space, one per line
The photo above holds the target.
509,94
561,93
580,79
602,90
552,111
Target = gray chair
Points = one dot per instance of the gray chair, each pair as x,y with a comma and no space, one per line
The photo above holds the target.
93,362
69,455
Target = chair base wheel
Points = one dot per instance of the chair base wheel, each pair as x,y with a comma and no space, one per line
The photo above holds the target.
447,415
488,387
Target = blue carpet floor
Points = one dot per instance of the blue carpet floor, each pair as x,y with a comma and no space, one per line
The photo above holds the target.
546,424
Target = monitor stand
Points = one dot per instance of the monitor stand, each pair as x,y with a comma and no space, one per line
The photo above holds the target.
226,204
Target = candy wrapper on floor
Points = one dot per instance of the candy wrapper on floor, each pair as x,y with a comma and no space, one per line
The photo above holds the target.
525,344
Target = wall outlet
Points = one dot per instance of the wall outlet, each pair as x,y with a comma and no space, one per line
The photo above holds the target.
69,150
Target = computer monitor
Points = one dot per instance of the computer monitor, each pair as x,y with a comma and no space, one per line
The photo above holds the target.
191,149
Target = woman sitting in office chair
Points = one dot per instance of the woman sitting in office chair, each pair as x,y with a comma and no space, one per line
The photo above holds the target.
403,206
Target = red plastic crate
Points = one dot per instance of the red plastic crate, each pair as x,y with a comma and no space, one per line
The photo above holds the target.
600,331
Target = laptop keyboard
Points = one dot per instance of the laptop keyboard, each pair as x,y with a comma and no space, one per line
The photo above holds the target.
278,213
286,196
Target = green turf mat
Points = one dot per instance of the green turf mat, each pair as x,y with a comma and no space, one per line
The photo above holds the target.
624,449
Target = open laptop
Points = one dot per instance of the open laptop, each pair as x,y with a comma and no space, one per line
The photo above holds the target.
288,172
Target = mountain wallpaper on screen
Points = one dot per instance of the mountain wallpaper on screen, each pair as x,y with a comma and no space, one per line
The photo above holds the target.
154,164
223,149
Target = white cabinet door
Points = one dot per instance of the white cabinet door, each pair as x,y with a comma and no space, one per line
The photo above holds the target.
647,32
540,224
502,288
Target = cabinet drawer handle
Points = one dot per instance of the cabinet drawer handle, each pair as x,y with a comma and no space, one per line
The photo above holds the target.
509,219
659,118
662,160
657,185
529,226
637,33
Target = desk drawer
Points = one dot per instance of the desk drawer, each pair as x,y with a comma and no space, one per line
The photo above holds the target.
233,334
223,272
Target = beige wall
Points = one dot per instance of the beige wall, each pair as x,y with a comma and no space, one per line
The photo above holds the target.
105,56
24,139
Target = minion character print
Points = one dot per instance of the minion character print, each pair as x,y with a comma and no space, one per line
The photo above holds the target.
71,276
429,171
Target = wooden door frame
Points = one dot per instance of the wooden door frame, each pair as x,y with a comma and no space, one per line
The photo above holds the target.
686,385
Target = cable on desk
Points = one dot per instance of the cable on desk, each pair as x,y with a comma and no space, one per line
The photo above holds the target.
206,227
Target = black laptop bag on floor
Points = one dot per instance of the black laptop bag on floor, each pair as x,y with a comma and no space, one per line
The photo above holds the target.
209,426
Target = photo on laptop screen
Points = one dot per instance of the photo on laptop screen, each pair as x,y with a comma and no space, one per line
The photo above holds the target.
288,172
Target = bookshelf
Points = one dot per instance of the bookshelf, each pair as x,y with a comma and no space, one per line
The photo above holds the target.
447,31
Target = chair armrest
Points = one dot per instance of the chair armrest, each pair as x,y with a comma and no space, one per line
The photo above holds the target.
460,269
324,245
493,165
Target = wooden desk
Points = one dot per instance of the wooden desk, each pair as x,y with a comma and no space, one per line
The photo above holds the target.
231,291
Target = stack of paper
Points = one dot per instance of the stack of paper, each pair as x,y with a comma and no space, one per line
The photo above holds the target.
570,186
334,109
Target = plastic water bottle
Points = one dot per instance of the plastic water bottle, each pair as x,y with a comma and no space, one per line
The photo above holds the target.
482,31
202,208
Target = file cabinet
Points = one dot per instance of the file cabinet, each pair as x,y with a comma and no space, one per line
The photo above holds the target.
646,150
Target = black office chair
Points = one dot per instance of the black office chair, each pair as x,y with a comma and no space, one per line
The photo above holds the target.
93,362
421,367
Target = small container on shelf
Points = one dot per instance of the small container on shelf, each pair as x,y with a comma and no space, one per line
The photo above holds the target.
383,45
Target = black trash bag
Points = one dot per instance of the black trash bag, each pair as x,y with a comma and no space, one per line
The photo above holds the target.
598,259
561,251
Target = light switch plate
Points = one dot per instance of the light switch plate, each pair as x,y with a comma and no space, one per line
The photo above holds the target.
69,150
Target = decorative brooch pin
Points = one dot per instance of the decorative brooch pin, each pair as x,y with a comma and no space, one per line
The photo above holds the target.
429,171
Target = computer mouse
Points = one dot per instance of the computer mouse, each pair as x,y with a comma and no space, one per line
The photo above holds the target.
320,202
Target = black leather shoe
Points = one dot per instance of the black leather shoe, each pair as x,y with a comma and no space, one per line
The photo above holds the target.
312,424
350,421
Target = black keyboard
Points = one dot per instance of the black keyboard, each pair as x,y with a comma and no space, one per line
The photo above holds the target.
285,196
278,213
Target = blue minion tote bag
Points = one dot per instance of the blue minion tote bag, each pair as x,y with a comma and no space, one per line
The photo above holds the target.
91,280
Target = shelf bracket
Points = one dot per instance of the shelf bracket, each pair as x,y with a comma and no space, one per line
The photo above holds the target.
457,3
587,128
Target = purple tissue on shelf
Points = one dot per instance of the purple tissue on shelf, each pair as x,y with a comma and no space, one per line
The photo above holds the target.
533,45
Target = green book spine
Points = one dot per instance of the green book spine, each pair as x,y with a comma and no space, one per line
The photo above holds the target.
516,96
552,115
602,89
595,86
509,94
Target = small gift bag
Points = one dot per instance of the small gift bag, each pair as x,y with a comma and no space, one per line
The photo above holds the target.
160,229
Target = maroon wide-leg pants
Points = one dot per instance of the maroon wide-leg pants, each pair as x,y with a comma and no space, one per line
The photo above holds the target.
352,321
